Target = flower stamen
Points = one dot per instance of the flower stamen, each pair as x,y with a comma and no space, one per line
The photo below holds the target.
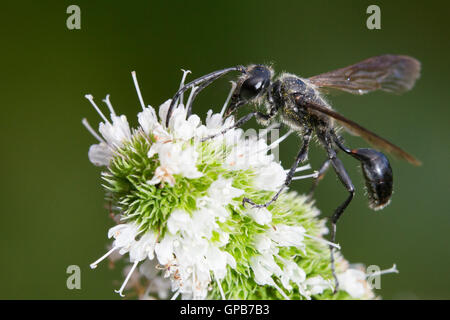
189,101
176,294
312,175
91,100
120,291
136,84
233,86
263,132
94,264
302,168
183,78
110,107
382,272
277,142
336,245
91,130
220,287
280,291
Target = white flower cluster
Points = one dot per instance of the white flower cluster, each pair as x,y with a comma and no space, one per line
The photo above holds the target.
187,251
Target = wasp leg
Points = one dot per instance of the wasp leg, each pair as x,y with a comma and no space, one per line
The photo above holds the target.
211,77
301,156
345,179
321,173
239,123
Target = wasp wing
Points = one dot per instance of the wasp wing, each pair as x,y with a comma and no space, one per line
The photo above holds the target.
391,73
367,135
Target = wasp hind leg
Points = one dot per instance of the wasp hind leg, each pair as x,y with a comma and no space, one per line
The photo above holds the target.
343,176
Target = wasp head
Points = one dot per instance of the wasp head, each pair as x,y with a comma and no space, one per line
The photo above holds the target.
251,85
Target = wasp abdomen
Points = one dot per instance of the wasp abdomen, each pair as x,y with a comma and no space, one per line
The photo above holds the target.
378,176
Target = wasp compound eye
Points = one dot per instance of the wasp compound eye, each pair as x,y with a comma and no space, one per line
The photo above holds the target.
253,84
378,175
258,79
252,87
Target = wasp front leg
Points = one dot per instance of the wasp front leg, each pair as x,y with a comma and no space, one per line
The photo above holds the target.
201,83
301,156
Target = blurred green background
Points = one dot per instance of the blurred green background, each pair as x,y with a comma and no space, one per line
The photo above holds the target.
53,213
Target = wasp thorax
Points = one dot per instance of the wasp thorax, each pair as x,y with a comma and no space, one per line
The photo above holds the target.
378,175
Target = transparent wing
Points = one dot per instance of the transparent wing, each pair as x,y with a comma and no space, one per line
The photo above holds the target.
391,73
367,135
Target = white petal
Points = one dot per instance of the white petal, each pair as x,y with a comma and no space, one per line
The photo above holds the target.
262,243
261,216
116,230
124,235
292,272
352,281
217,261
117,132
287,236
163,109
222,191
179,219
185,129
270,177
317,285
100,154
164,250
213,121
230,260
148,120
188,163
144,247
263,276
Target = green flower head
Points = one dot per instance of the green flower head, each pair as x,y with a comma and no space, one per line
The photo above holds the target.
181,222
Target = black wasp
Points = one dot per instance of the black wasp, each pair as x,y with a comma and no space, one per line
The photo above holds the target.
297,103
